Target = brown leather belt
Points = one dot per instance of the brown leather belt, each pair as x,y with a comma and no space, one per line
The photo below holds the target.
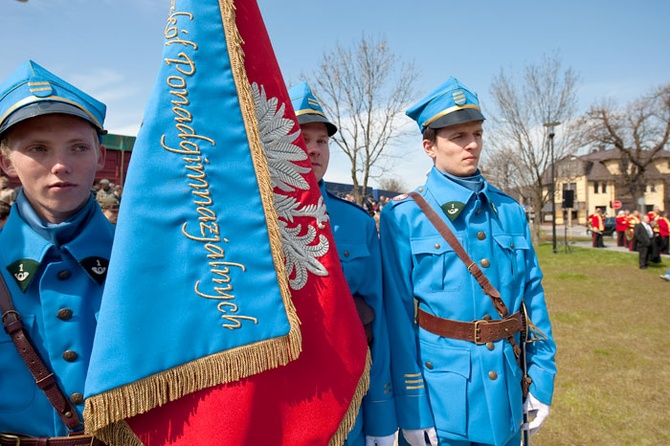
7,439
479,332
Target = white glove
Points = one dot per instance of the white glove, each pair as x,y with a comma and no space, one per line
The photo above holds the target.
388,440
536,412
416,437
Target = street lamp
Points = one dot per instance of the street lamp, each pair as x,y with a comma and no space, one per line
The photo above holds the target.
551,126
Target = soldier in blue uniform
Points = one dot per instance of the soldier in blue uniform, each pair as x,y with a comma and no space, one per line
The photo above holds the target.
55,248
463,385
357,242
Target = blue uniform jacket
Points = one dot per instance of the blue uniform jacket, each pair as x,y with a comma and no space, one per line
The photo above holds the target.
59,309
357,243
467,391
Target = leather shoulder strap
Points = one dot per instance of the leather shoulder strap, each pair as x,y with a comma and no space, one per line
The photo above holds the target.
474,269
45,380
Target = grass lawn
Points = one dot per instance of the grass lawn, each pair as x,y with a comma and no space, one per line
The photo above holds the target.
611,325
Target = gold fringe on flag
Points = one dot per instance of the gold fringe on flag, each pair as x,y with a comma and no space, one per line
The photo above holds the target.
350,417
104,413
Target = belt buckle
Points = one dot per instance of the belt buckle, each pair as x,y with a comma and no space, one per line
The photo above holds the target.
10,437
477,332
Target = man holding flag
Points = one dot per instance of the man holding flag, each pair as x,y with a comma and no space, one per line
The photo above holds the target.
225,295
355,234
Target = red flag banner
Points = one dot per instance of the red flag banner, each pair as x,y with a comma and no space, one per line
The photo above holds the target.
220,122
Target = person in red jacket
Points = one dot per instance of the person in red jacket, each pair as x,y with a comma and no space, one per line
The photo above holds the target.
664,231
597,228
621,226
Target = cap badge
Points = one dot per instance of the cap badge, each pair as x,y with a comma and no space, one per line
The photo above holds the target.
40,88
459,97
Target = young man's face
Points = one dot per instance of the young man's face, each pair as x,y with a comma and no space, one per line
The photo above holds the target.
456,148
316,140
55,157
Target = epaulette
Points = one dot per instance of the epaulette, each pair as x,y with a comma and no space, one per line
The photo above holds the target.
495,190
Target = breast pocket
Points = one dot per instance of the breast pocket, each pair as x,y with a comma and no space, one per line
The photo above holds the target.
512,260
354,258
17,385
436,266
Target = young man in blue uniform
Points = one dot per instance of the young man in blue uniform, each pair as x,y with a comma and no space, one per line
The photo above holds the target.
55,247
462,388
357,242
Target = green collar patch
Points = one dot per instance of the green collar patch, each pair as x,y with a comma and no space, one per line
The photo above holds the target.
453,209
23,271
493,206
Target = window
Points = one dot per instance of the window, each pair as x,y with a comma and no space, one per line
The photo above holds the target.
595,187
604,188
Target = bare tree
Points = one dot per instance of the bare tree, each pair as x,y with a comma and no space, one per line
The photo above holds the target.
638,131
392,184
364,90
547,94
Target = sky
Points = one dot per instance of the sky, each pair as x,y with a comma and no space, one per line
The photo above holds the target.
112,48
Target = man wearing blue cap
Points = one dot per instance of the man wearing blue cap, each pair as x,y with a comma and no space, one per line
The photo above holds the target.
356,239
454,287
55,251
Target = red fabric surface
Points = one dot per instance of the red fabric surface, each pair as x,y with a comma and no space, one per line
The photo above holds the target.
303,402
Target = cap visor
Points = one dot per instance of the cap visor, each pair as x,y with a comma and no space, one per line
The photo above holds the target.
45,108
311,117
457,117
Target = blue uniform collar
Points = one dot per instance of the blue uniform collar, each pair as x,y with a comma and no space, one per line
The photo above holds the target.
446,189
23,245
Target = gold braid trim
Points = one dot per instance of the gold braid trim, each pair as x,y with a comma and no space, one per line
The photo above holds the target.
104,413
154,391
349,418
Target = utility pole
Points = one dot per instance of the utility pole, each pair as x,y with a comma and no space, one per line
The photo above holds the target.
551,126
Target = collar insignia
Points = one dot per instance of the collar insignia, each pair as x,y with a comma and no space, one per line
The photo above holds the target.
453,209
96,267
23,271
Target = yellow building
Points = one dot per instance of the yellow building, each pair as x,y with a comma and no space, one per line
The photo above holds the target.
594,180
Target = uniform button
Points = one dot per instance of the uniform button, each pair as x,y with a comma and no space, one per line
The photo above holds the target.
429,365
479,211
64,275
493,375
437,246
511,245
481,235
64,314
76,398
421,189
487,317
70,355
346,253
490,345
485,263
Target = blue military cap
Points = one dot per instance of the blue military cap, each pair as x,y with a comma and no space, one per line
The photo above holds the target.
308,108
451,103
33,91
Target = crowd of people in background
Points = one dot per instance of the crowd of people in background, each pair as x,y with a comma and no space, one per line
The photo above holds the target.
372,206
647,234
108,196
